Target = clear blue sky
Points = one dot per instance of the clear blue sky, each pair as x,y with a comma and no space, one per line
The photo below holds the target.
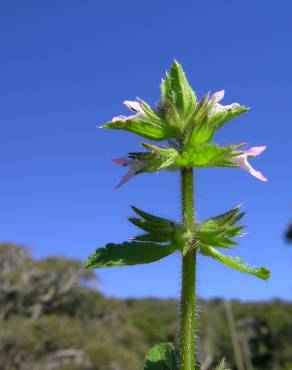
67,66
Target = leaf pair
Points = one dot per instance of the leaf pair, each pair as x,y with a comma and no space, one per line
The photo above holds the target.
162,237
172,159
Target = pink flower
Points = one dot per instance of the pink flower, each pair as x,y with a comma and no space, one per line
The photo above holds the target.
134,106
242,161
218,107
134,166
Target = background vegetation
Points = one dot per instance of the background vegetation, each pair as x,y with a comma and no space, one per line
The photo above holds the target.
52,317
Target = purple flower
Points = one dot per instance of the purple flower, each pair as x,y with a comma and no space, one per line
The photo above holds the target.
218,96
134,166
242,161
134,106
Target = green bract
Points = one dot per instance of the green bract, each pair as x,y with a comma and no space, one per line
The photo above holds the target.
163,237
218,232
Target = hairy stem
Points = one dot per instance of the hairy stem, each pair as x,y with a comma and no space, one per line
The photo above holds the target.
188,296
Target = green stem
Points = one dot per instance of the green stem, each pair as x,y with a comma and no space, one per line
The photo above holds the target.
188,295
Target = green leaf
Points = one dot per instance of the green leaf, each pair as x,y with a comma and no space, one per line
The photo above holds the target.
147,216
166,155
170,114
176,89
207,155
235,262
196,129
158,159
204,123
159,229
163,356
128,254
142,127
200,156
230,217
219,230
149,226
219,118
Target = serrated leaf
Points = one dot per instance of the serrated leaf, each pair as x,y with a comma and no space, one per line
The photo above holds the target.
128,254
200,156
158,237
163,356
235,262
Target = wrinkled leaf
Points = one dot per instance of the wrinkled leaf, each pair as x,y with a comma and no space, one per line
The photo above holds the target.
207,155
128,254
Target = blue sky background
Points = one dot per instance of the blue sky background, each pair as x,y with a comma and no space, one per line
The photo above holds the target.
67,66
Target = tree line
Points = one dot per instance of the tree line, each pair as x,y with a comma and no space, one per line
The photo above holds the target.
52,317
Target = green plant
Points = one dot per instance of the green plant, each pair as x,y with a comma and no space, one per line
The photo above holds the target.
188,126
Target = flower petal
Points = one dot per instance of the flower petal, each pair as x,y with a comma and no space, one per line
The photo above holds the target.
121,161
256,150
134,166
134,106
219,95
241,161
